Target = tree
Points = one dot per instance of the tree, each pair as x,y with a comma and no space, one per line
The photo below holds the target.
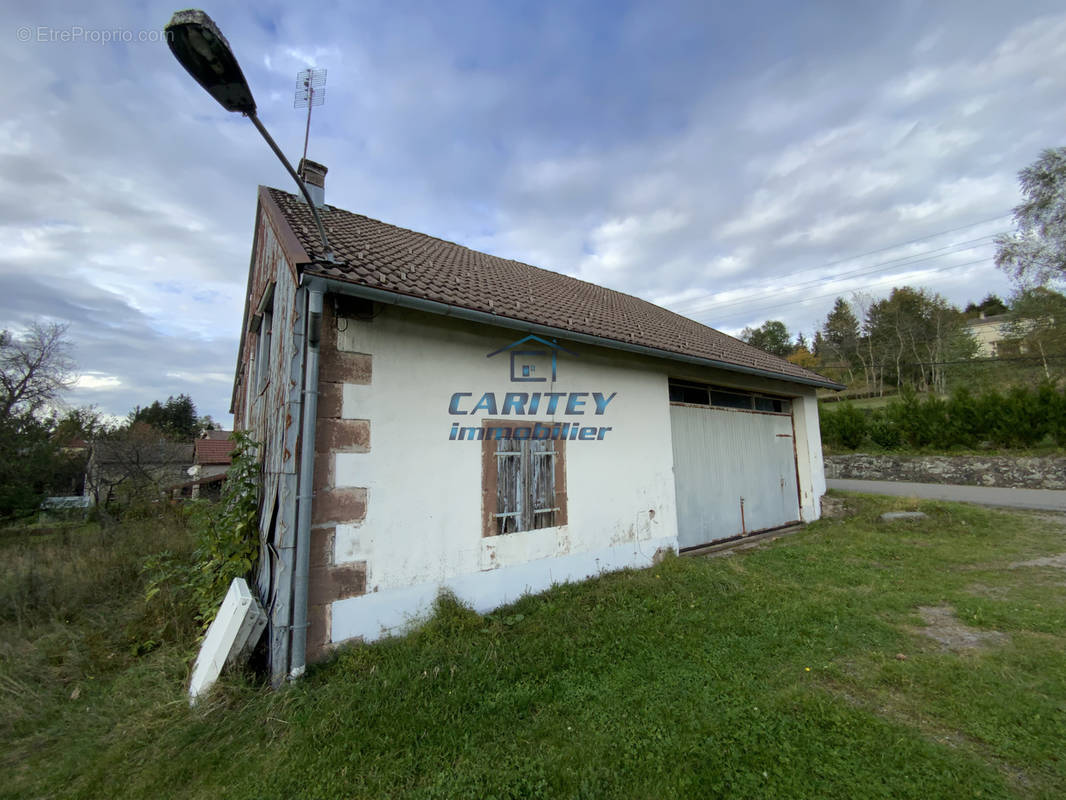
34,368
176,417
1035,254
29,461
913,334
83,423
991,306
772,336
802,357
1037,322
838,340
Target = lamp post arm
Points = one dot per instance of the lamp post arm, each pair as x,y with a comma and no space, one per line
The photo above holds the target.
328,255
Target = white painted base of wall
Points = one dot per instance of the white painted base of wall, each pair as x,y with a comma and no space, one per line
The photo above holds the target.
393,611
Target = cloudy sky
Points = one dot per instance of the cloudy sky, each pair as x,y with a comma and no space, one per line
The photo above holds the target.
734,161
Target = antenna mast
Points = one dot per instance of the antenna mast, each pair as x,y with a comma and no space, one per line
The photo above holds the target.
310,92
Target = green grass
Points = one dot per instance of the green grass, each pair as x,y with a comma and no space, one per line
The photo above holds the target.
772,672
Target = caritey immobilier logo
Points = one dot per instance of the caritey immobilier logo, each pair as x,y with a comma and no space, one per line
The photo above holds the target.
532,360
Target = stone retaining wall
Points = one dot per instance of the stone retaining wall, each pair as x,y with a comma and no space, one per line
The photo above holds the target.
1018,473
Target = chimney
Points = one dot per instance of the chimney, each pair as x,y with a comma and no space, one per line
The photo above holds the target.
314,175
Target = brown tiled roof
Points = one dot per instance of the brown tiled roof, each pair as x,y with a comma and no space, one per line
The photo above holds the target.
214,451
400,261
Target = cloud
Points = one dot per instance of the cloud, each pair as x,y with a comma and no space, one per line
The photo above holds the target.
690,154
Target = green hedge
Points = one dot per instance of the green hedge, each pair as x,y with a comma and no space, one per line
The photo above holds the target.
1019,418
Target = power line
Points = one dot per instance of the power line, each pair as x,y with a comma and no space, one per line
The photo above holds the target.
838,292
915,258
919,239
695,309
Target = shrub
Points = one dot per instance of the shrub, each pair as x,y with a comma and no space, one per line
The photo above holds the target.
1020,423
1020,418
844,428
963,428
1052,404
906,414
883,432
227,540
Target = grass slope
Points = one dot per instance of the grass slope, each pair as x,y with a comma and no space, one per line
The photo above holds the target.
769,673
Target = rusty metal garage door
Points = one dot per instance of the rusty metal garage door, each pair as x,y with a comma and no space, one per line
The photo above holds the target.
734,468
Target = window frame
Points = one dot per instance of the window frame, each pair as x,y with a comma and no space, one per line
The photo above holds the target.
264,329
717,396
490,479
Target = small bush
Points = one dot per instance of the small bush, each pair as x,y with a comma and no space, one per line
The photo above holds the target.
883,433
227,541
964,427
1021,418
1052,405
844,428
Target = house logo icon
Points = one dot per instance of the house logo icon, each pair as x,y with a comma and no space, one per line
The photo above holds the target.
529,365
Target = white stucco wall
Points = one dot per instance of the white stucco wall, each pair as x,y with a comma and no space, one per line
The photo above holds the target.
423,525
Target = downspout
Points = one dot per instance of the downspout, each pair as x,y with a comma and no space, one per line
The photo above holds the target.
306,486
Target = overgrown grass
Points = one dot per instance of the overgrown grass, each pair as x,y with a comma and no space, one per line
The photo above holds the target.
772,672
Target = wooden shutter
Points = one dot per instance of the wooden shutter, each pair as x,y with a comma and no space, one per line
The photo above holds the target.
523,483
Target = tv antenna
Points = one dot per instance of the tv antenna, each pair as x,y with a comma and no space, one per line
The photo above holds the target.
310,92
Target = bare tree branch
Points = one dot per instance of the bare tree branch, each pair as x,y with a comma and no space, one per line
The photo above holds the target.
34,368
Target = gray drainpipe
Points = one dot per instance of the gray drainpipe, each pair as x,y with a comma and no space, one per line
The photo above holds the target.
307,478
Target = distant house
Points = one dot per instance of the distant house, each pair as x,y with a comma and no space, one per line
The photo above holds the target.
141,463
432,416
212,457
74,447
990,333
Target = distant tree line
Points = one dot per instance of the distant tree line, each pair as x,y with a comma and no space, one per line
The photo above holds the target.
902,340
44,449
914,338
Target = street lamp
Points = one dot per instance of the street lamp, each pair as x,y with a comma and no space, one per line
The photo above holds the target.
200,47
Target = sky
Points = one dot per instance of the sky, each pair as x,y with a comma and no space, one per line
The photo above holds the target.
735,162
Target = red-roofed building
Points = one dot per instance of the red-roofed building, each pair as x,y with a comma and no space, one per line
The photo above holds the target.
212,456
432,416
214,452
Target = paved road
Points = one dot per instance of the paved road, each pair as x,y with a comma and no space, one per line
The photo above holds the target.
1042,499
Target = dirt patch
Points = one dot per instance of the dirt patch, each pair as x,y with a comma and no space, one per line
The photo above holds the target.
944,627
1058,561
834,507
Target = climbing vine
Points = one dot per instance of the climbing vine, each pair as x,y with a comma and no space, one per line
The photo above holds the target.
227,539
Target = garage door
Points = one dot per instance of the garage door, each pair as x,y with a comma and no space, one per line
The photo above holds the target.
734,463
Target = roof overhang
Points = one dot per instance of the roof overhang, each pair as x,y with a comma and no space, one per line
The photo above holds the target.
447,310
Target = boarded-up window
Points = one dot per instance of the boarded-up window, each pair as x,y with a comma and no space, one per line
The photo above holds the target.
262,360
263,324
523,480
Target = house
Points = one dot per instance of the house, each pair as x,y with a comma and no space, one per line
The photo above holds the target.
139,464
990,333
487,426
212,456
